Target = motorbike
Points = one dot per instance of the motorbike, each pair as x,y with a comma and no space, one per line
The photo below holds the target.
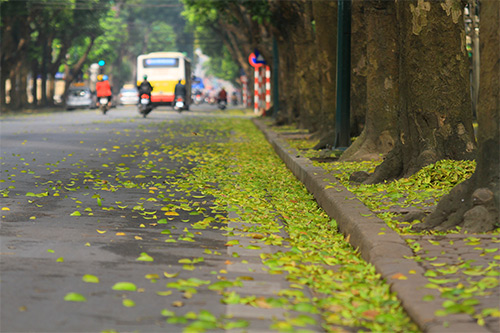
222,104
179,104
104,104
198,99
145,105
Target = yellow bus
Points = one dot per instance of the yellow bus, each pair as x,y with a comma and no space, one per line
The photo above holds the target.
164,70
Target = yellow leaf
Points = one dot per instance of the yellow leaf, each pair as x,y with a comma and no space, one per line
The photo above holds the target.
138,237
399,276
5,208
87,244
168,275
411,271
177,304
120,234
171,213
101,231
142,226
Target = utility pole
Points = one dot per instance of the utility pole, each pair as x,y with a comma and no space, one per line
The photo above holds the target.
342,114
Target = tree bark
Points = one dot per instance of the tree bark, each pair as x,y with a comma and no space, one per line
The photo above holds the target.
284,16
435,121
359,66
324,13
474,204
380,131
77,67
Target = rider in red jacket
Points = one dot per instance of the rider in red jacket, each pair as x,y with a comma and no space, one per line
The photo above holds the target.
103,88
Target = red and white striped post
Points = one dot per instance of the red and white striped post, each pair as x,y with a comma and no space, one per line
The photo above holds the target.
268,88
244,92
256,91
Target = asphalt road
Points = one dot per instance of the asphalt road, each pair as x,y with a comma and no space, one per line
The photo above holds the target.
49,170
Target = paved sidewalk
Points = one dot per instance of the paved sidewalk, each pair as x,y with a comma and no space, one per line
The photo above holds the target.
392,256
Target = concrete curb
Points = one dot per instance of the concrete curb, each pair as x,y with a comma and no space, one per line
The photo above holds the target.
377,242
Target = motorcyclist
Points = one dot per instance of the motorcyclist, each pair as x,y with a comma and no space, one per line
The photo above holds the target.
103,88
145,87
180,90
223,95
234,98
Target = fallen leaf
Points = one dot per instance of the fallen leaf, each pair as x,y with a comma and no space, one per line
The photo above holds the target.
128,286
398,276
144,257
128,303
74,297
90,278
169,276
370,314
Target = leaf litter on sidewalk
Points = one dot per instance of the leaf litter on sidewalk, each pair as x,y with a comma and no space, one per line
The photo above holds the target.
470,280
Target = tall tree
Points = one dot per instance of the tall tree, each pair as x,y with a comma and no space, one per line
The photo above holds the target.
474,204
434,120
380,131
359,66
324,13
16,37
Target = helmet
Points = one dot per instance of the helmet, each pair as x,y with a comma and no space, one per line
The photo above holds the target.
99,77
104,77
145,77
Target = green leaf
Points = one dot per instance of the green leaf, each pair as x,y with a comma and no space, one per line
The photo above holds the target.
74,297
75,213
167,313
145,257
128,303
90,278
128,286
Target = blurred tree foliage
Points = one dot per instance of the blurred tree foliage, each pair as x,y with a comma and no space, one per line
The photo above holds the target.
41,38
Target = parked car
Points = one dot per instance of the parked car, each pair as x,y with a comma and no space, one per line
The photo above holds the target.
128,95
79,98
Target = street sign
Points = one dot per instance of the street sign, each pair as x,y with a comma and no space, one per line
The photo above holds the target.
253,61
256,59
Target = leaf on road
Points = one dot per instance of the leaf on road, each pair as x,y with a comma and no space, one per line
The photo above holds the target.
399,276
144,257
74,297
128,286
128,303
90,278
169,276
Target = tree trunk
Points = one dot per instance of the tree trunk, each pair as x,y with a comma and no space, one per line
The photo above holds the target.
34,89
435,121
324,13
284,14
380,131
306,68
23,82
358,74
70,76
474,204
